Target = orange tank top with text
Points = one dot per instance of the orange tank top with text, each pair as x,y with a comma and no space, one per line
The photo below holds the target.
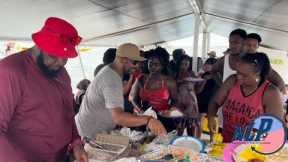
240,110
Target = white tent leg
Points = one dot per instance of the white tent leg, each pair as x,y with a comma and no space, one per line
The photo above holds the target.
208,41
204,45
199,21
195,45
81,64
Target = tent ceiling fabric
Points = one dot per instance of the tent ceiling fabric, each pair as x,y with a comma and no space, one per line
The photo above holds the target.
269,18
111,22
102,22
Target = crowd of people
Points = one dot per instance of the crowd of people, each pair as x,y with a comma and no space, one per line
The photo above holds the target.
163,84
41,120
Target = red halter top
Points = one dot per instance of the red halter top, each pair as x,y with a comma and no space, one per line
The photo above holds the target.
157,98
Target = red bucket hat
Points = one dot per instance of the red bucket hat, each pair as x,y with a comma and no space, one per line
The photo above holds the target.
58,38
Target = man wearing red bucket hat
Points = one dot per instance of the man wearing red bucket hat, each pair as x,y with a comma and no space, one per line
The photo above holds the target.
36,103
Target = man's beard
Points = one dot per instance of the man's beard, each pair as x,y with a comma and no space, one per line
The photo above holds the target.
45,69
127,70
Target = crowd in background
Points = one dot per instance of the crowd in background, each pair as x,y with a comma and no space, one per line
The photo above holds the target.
37,106
163,84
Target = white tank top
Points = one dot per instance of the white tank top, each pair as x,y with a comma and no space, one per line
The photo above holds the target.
227,71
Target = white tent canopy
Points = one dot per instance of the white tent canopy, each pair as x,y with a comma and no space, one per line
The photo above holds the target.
111,22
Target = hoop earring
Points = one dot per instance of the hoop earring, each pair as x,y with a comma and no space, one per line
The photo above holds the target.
257,80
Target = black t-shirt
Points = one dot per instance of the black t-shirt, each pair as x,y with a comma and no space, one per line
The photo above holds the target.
128,107
125,77
206,95
172,68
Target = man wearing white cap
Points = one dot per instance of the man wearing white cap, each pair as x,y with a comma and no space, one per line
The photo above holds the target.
102,106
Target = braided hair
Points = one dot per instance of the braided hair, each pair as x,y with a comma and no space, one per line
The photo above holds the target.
260,62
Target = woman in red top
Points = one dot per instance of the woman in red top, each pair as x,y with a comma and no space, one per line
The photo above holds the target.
155,89
245,96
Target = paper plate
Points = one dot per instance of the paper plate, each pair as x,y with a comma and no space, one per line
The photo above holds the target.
190,142
172,114
191,79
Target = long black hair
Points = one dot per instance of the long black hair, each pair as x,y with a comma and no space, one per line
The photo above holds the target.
179,62
261,63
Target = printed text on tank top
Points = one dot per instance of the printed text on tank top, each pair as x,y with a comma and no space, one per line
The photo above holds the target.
240,109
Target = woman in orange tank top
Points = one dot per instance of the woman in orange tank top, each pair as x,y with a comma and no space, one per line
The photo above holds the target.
245,96
155,89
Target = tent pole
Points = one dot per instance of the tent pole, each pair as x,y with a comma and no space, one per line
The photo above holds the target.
208,41
204,44
81,64
197,10
195,43
199,21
